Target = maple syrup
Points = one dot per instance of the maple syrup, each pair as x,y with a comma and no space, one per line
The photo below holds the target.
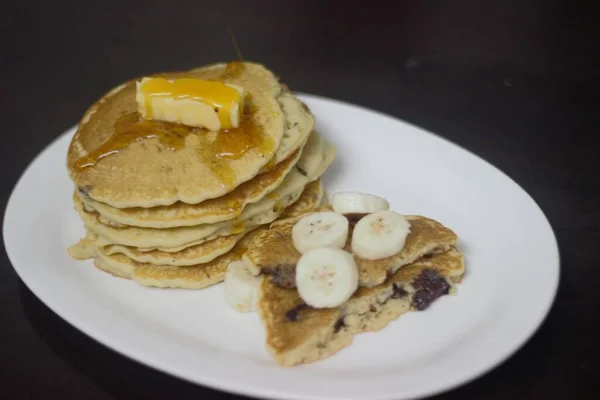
278,207
215,149
237,226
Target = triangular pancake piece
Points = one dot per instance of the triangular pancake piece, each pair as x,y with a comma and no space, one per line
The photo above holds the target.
298,334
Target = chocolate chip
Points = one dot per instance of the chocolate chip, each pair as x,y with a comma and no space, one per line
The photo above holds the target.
431,281
339,324
398,291
284,276
422,300
294,313
430,286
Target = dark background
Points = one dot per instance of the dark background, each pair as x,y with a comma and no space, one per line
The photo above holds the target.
509,80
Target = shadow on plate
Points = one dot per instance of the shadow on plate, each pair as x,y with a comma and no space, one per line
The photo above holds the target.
114,374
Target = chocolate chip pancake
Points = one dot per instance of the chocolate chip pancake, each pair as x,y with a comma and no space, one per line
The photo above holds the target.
298,334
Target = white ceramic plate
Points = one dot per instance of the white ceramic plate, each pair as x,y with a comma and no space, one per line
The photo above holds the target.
511,253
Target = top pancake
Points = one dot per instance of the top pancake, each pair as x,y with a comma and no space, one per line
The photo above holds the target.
185,164
226,207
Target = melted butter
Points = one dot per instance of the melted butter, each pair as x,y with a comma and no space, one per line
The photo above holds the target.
235,205
238,251
278,207
269,166
237,226
232,144
216,94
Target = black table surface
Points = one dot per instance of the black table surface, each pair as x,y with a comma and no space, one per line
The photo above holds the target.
509,80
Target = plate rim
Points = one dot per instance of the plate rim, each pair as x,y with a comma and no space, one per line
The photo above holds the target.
258,391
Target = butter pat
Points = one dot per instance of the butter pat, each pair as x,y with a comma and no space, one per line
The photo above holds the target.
194,102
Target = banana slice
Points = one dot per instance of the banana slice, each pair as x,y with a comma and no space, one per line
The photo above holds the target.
358,203
326,277
323,229
241,287
380,235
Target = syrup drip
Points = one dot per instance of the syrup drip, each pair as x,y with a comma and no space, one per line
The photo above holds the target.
278,207
237,226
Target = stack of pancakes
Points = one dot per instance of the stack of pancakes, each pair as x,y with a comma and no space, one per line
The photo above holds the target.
172,206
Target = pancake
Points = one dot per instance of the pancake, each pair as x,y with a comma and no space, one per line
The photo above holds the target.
198,254
85,248
204,252
298,334
195,276
262,212
312,197
207,251
121,271
316,157
296,125
306,203
223,208
187,277
297,115
182,236
207,212
148,173
273,251
103,242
